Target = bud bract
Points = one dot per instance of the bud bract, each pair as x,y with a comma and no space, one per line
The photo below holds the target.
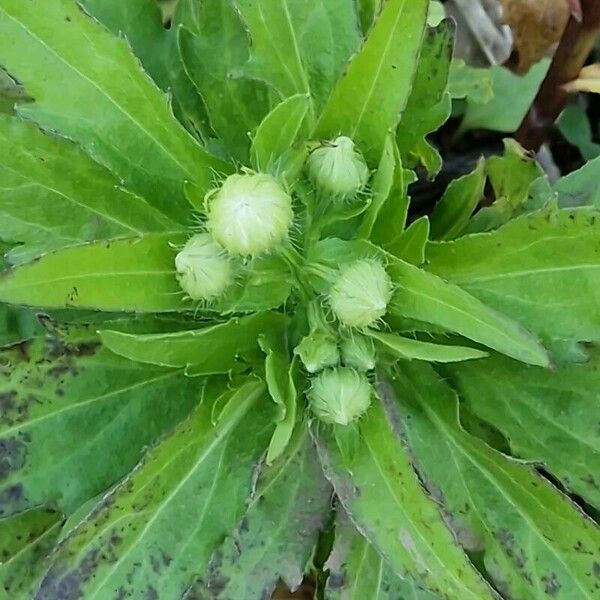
249,214
360,294
337,168
317,351
203,269
340,395
358,351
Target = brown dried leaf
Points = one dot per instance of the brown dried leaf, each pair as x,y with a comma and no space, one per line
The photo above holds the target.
537,25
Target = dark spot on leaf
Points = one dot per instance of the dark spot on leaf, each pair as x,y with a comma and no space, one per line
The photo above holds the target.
13,453
551,584
151,593
596,570
336,581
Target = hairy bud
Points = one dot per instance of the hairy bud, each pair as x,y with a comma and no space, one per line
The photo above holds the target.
340,395
318,351
360,294
249,214
203,269
337,168
358,351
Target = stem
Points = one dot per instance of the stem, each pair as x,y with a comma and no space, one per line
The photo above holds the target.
575,46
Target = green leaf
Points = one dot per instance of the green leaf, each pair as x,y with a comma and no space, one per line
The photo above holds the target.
369,98
75,418
300,47
217,46
278,132
132,274
429,104
357,572
451,214
534,542
380,491
155,533
112,109
470,83
276,537
541,269
406,348
25,542
17,325
206,351
410,244
384,181
425,297
280,373
546,417
575,127
367,12
54,195
580,188
141,22
513,95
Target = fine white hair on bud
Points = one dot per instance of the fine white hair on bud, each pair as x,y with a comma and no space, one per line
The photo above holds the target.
249,214
340,395
317,351
360,294
358,351
337,168
204,270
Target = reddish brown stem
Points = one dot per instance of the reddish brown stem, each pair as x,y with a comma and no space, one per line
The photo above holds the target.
575,46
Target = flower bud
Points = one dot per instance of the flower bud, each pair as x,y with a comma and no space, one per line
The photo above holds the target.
340,395
358,351
360,294
337,168
249,214
203,269
317,351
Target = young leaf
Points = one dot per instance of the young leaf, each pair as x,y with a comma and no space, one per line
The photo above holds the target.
147,534
470,83
427,298
452,213
141,22
278,132
410,244
65,403
25,542
17,325
210,52
367,101
357,571
300,47
54,195
534,542
544,416
378,488
580,188
112,108
206,351
276,537
132,274
541,269
429,104
406,348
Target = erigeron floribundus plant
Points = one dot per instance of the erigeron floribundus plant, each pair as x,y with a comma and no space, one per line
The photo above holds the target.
337,168
225,345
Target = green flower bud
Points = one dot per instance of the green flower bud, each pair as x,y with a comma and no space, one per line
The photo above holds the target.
358,351
360,294
249,214
337,168
317,351
203,269
340,395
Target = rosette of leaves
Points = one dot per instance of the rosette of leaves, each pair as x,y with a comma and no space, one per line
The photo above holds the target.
156,446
